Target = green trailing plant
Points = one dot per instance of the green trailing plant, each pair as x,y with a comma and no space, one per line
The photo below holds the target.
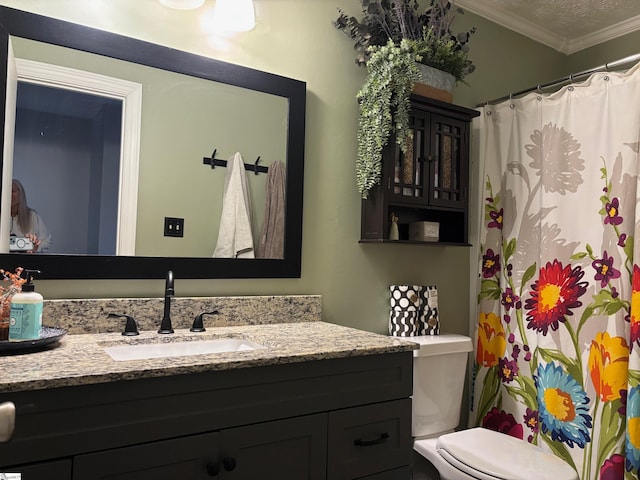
384,103
389,39
429,32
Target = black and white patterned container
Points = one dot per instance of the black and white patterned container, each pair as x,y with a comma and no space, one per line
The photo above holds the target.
414,310
405,297
403,323
429,320
405,301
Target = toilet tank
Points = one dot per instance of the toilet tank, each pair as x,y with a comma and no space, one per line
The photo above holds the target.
439,369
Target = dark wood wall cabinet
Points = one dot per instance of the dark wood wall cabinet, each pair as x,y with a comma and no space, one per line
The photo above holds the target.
337,419
430,183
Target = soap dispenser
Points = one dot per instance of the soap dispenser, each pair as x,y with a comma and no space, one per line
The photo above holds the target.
26,311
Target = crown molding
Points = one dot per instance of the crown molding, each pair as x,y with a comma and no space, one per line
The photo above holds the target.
507,19
604,35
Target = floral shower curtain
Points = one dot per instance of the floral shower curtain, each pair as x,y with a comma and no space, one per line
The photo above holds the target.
558,330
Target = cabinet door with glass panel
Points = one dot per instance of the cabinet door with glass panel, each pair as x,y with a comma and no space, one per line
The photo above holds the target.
434,169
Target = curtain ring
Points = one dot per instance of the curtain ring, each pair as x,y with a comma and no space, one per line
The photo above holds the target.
571,78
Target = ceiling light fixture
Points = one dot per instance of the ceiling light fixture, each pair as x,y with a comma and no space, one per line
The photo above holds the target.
234,15
182,4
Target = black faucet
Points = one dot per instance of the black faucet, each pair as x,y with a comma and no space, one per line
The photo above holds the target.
165,326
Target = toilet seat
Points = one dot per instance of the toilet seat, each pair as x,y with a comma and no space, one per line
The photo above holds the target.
488,455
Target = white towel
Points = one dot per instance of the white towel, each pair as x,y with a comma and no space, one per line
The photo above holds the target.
235,239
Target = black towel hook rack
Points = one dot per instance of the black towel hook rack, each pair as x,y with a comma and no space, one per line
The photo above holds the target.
216,162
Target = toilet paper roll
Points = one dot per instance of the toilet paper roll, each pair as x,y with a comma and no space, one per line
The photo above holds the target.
428,322
403,323
429,319
405,297
429,296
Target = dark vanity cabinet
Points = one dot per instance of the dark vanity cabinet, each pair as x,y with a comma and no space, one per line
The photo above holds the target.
429,183
189,458
288,449
337,419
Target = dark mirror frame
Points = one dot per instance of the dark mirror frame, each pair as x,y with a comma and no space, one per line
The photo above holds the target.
44,29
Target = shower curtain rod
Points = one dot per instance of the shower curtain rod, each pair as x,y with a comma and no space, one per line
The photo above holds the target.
569,78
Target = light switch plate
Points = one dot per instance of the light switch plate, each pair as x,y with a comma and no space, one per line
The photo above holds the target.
173,227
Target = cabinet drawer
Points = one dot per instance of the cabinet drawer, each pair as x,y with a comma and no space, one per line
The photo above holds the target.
369,439
403,473
57,469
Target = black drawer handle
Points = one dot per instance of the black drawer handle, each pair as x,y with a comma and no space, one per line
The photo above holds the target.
367,443
229,463
213,469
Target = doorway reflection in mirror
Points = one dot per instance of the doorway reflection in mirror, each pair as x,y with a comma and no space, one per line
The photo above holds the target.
67,150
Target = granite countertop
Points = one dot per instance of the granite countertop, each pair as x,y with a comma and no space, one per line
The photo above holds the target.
81,359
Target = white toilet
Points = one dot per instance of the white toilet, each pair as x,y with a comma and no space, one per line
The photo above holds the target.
439,368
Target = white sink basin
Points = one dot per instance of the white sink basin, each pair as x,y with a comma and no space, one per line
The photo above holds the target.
141,351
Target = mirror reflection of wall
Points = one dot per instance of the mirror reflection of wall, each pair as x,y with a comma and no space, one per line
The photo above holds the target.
183,119
67,156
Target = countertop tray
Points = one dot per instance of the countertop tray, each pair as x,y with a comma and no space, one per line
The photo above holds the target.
48,335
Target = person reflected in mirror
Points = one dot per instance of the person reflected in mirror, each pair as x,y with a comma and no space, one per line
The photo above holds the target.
25,221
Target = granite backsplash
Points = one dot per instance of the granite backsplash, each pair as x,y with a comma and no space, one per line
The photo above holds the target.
91,315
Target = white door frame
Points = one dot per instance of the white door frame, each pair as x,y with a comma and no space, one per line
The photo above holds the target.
131,95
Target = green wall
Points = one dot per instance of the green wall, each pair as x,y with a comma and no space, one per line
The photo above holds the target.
604,53
505,62
295,38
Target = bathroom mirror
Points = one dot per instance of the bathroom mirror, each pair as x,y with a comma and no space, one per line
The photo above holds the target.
289,95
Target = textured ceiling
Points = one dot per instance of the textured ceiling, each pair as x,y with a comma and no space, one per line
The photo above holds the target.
565,25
